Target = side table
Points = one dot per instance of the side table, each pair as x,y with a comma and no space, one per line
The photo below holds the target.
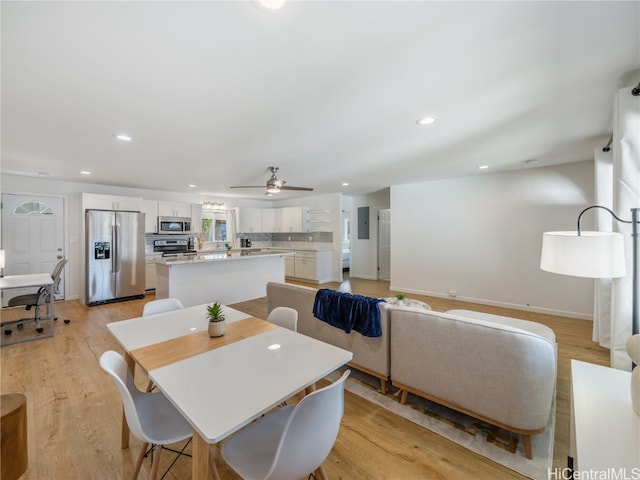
13,436
605,431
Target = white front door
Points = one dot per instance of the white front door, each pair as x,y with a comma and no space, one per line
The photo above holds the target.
32,237
384,244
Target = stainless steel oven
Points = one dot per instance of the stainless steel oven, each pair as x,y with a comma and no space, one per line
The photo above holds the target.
173,248
174,225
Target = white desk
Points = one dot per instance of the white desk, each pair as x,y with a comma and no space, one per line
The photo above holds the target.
223,389
31,280
605,431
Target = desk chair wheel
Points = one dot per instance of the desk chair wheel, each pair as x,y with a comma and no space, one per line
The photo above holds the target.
20,325
8,331
39,329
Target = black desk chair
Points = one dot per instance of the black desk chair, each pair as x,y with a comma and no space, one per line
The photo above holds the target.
36,299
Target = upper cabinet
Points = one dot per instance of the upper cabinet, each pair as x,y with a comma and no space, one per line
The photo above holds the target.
196,217
273,220
96,201
249,220
150,208
294,219
174,209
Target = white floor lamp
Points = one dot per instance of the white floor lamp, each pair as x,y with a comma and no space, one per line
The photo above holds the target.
598,255
593,255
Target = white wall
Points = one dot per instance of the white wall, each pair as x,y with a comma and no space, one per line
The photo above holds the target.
481,236
364,253
71,192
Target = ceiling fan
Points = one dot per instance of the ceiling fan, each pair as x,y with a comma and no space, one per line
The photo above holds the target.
273,184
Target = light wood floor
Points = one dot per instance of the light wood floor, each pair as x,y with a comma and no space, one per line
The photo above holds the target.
74,410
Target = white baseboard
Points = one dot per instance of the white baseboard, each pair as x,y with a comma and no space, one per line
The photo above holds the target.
493,303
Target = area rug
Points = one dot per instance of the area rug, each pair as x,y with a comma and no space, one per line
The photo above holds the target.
499,445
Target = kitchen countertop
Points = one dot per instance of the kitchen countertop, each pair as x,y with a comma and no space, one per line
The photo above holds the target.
219,256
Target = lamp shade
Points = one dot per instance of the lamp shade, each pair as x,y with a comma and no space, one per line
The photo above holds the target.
590,254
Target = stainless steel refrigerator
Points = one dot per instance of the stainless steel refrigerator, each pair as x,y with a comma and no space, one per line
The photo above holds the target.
115,256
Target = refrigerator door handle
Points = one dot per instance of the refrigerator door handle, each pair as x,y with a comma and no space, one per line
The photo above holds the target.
116,238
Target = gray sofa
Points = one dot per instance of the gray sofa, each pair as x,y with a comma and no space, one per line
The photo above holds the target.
498,369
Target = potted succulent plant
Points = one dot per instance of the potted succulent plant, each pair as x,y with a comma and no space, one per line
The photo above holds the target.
400,298
217,324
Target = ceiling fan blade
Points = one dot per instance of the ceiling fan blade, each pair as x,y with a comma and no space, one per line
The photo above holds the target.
247,186
306,189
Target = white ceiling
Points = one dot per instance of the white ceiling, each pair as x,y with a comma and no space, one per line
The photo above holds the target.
215,92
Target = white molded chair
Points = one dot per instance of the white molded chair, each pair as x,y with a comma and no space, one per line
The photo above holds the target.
161,305
292,442
150,416
284,317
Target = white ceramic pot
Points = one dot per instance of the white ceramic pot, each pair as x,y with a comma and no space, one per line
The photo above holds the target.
217,329
633,349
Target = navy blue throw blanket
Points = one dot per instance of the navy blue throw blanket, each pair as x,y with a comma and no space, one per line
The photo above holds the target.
348,312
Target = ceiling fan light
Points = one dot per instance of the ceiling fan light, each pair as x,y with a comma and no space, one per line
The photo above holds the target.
273,189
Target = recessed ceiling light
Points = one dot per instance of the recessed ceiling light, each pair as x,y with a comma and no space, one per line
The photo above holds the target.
191,185
123,137
85,172
345,184
426,120
483,167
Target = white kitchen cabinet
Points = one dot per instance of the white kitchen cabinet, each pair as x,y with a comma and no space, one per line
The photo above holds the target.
196,218
269,220
294,219
249,220
290,266
150,275
150,209
174,209
306,264
96,201
313,266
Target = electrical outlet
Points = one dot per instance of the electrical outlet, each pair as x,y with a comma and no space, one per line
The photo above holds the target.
310,238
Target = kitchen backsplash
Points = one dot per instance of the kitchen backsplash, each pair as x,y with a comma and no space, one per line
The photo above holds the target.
320,237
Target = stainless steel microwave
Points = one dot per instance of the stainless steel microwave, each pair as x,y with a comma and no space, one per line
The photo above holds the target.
174,225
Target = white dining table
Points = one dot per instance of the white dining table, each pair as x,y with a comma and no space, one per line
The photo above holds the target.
31,280
229,385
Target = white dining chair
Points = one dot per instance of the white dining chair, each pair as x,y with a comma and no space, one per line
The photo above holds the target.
150,416
292,442
284,317
161,305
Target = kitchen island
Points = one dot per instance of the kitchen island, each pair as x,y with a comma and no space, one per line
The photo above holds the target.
217,277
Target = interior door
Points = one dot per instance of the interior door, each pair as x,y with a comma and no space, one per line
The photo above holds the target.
384,244
32,237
